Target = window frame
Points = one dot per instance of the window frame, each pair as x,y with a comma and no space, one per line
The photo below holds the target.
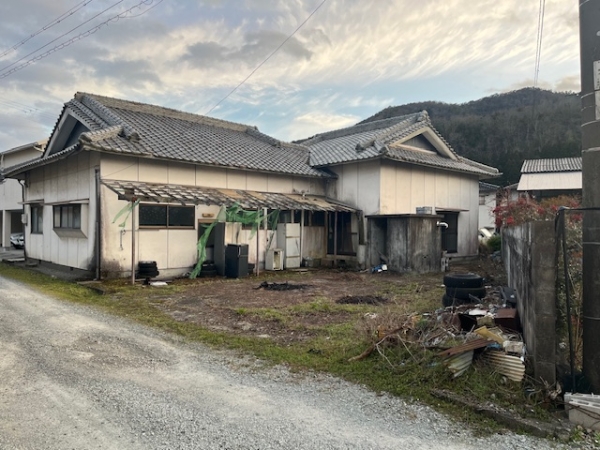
36,211
67,212
167,215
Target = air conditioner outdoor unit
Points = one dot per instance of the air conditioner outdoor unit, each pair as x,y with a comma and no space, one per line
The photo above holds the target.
425,210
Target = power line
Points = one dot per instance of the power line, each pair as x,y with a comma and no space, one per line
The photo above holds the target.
267,58
56,21
145,11
61,36
80,36
29,110
538,49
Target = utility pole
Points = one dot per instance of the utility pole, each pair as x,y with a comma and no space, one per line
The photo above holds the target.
589,31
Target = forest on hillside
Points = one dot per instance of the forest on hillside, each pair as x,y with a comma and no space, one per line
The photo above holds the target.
505,129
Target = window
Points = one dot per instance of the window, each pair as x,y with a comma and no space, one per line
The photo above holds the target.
37,214
67,216
167,216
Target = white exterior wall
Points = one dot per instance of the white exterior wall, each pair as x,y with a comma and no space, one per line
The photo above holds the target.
10,196
65,181
358,185
405,187
175,250
17,157
486,217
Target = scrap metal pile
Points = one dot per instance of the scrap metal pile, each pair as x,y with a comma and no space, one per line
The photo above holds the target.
475,323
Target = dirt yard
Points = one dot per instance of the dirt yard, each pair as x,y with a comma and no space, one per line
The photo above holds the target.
292,306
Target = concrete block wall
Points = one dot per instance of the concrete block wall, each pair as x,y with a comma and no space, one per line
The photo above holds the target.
529,255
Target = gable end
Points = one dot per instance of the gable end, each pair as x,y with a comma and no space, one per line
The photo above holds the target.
428,140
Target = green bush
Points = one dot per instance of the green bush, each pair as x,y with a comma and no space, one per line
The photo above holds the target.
494,243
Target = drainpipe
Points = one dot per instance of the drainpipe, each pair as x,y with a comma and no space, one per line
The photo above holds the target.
335,240
301,233
22,183
256,269
133,200
98,226
589,28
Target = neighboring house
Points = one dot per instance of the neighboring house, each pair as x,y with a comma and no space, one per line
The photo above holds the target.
488,194
11,193
349,193
394,168
543,178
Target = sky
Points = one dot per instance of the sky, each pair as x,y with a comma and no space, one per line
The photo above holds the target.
350,59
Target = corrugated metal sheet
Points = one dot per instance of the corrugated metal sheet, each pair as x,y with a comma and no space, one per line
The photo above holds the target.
550,181
195,195
510,366
459,364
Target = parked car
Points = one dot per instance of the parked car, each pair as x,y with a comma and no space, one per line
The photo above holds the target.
17,240
484,234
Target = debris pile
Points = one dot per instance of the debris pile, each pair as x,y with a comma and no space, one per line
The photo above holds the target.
463,333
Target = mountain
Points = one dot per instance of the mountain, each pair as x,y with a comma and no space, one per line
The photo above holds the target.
504,129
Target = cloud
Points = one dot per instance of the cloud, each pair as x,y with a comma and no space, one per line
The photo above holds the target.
570,83
126,70
17,125
312,123
255,48
349,60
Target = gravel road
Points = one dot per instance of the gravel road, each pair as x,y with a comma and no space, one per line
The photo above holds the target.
74,378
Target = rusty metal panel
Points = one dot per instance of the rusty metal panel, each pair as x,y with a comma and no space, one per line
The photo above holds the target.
510,366
467,346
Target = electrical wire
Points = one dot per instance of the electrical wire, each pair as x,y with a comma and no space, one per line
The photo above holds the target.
538,49
61,36
266,59
29,110
80,36
145,11
56,21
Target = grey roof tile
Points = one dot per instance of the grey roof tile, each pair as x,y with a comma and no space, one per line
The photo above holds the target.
373,140
548,165
19,168
133,128
487,187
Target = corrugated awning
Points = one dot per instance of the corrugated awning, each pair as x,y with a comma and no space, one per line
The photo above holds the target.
195,195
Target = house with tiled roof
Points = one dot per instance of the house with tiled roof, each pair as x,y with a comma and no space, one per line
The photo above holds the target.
11,208
122,182
395,170
113,166
551,177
